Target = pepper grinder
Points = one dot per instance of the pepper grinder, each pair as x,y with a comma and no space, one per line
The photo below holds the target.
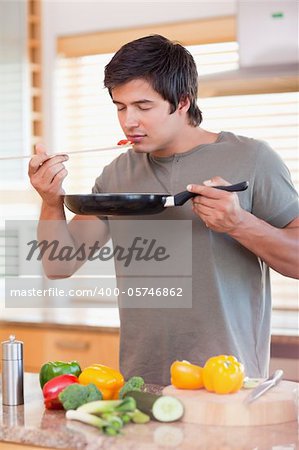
12,372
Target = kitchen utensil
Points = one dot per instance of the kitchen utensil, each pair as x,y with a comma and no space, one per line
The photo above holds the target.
262,388
133,204
12,372
88,150
207,408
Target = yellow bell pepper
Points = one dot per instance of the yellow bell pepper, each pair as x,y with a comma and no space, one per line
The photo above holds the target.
185,375
223,374
109,381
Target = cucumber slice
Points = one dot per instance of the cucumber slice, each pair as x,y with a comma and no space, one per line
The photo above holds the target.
167,409
160,407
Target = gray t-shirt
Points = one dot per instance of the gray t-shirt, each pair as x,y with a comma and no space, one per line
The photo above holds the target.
231,304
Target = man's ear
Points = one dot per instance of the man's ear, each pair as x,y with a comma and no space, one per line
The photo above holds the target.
184,103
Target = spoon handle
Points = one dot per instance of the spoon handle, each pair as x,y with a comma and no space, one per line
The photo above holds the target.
88,150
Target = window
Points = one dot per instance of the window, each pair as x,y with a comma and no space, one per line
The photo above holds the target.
20,120
14,88
20,93
86,118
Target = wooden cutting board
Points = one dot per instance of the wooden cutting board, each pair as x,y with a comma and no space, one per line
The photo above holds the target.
278,405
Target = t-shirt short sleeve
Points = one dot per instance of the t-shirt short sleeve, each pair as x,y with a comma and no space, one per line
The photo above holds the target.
98,185
275,198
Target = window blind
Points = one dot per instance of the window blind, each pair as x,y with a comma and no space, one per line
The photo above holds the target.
14,85
86,118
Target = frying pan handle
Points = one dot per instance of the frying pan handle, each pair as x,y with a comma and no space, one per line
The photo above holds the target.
183,197
234,187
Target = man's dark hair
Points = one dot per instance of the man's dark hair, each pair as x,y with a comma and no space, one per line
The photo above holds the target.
166,65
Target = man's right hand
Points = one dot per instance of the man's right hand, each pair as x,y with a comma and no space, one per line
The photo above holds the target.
46,175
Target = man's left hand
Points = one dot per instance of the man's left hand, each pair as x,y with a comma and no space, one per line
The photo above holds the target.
219,210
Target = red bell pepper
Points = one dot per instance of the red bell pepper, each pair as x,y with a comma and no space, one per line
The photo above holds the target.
53,387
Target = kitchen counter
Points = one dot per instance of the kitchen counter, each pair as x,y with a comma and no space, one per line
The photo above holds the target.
30,424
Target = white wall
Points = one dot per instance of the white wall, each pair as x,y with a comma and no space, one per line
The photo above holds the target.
79,16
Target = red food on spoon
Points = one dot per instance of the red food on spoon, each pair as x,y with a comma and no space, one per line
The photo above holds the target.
124,142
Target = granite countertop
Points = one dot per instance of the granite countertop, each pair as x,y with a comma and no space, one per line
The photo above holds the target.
31,424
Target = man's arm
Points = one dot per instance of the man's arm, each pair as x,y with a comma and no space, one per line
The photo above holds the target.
46,175
278,247
221,212
75,238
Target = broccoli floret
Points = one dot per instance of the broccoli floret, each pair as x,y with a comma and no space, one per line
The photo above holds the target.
133,384
93,393
76,395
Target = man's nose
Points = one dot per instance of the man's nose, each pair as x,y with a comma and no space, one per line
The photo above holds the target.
131,119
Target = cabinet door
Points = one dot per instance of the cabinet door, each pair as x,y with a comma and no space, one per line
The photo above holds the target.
34,343
85,347
47,344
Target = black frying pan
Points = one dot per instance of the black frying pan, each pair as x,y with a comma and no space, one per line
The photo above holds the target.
133,204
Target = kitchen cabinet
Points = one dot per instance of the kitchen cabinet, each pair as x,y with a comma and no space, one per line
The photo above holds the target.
50,339
46,343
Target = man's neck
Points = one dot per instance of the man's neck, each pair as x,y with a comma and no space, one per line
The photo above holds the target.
188,140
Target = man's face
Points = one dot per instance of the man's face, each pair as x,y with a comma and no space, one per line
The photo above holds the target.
145,117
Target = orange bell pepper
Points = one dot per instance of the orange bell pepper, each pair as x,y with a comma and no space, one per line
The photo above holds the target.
185,375
109,381
223,374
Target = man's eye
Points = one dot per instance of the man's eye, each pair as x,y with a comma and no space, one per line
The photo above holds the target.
121,108
144,109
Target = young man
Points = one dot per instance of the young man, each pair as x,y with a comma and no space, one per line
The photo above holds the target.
153,83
